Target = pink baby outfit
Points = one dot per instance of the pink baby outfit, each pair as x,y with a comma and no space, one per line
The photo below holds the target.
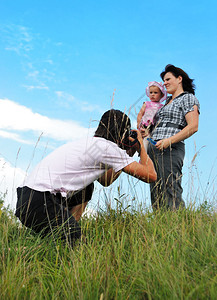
150,111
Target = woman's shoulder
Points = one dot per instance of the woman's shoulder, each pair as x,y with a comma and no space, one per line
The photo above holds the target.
191,98
187,97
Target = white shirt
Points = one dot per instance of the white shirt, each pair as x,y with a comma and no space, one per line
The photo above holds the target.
75,165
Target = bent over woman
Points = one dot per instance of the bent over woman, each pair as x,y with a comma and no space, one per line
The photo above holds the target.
175,122
55,194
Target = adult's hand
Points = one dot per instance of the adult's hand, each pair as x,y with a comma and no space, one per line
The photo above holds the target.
140,141
163,144
136,147
144,170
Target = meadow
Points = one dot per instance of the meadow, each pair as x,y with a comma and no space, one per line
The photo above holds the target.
127,255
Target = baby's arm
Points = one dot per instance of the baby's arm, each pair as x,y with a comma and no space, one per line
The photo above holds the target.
140,114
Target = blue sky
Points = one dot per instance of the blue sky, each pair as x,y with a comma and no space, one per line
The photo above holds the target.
63,63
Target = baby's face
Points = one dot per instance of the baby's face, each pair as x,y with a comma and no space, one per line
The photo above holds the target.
155,94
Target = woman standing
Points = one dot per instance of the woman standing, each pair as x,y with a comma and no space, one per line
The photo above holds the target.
175,122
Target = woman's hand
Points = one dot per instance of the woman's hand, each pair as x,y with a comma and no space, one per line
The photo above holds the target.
163,144
144,170
139,136
136,147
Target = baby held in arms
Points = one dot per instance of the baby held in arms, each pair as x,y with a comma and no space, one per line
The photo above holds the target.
145,119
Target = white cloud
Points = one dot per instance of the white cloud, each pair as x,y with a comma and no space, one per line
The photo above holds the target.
65,96
36,87
13,136
10,178
25,44
18,38
33,74
83,105
18,118
49,61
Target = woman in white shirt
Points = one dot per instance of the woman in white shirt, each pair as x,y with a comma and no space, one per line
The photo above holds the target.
55,194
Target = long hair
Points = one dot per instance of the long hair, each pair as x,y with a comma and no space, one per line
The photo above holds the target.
187,82
113,126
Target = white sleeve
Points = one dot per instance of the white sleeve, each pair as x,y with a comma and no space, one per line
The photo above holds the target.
116,158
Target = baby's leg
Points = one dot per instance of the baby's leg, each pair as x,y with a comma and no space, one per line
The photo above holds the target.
147,134
145,142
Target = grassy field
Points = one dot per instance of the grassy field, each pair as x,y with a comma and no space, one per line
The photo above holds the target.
128,255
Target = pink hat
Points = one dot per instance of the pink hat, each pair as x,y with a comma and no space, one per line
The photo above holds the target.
160,86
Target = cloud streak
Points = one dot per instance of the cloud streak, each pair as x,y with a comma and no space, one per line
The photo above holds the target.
36,87
16,119
13,136
26,44
83,105
10,178
18,39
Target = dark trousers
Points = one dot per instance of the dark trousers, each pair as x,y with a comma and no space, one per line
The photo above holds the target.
167,190
49,214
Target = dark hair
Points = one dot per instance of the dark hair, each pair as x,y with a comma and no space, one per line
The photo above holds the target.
187,82
113,126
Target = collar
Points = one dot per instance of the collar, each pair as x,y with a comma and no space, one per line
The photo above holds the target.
170,97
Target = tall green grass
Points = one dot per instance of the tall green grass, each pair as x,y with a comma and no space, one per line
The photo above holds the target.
128,255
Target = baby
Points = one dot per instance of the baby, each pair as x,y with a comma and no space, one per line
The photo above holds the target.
145,119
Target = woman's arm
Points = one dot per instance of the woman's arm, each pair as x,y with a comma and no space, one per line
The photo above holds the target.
140,114
144,170
192,119
109,177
